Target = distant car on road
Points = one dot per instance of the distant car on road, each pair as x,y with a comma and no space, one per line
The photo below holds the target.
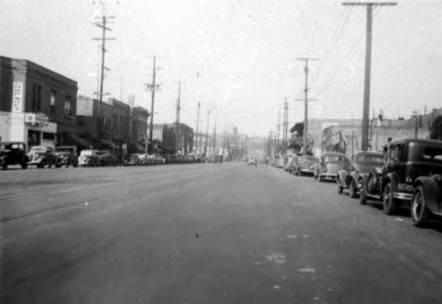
42,156
329,165
305,165
252,161
13,153
363,164
411,174
66,156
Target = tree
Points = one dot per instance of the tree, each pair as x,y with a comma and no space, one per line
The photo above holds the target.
436,128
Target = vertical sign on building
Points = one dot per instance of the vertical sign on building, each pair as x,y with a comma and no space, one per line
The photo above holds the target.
17,97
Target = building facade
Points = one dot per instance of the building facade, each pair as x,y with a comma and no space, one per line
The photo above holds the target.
37,105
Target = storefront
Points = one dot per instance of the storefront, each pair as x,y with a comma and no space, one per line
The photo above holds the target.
31,128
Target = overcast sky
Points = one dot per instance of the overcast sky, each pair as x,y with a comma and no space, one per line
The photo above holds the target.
244,52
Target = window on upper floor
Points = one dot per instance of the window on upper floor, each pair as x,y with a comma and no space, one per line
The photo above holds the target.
68,106
52,101
36,98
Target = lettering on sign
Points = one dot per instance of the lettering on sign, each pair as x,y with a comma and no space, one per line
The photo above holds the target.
17,97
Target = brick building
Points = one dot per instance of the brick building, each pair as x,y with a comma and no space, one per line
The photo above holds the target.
37,105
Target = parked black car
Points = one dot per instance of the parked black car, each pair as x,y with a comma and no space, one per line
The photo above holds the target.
363,163
66,156
411,174
13,153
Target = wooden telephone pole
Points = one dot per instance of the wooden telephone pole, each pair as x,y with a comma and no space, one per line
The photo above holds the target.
366,108
306,101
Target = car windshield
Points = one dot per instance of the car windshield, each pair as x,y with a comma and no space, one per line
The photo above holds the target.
10,146
375,159
432,155
333,158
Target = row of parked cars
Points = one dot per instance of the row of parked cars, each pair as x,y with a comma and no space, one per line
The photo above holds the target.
14,153
407,173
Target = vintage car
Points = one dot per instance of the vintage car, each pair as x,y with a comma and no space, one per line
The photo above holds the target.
329,165
363,163
42,156
66,156
13,153
88,158
304,165
411,174
252,161
157,159
105,158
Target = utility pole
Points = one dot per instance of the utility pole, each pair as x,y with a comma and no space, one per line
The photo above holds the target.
103,24
197,124
285,124
278,129
214,133
152,87
416,121
177,121
207,134
366,108
306,100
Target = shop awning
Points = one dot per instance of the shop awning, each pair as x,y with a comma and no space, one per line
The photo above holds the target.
108,143
74,139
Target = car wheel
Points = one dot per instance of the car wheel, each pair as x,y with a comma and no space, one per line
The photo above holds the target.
419,210
388,202
4,165
319,178
42,164
352,192
24,165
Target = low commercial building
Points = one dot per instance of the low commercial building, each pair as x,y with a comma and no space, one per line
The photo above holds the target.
37,105
167,140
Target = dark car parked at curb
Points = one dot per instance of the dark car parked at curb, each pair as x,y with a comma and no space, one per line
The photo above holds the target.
66,156
304,165
42,156
412,175
13,153
363,163
329,165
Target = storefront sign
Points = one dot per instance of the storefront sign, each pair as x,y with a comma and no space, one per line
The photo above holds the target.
36,119
17,97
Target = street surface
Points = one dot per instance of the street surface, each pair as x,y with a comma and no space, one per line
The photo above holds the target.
217,233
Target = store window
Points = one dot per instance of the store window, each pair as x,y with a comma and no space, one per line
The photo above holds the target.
34,138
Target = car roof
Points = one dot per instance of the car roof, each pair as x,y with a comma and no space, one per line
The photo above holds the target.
369,153
428,142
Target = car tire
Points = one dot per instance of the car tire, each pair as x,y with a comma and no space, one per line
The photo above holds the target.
4,166
24,165
389,204
320,178
352,192
419,211
42,164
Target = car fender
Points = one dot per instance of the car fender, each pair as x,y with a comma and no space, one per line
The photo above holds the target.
390,178
432,193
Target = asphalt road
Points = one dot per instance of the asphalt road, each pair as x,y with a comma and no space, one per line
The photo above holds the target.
205,234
